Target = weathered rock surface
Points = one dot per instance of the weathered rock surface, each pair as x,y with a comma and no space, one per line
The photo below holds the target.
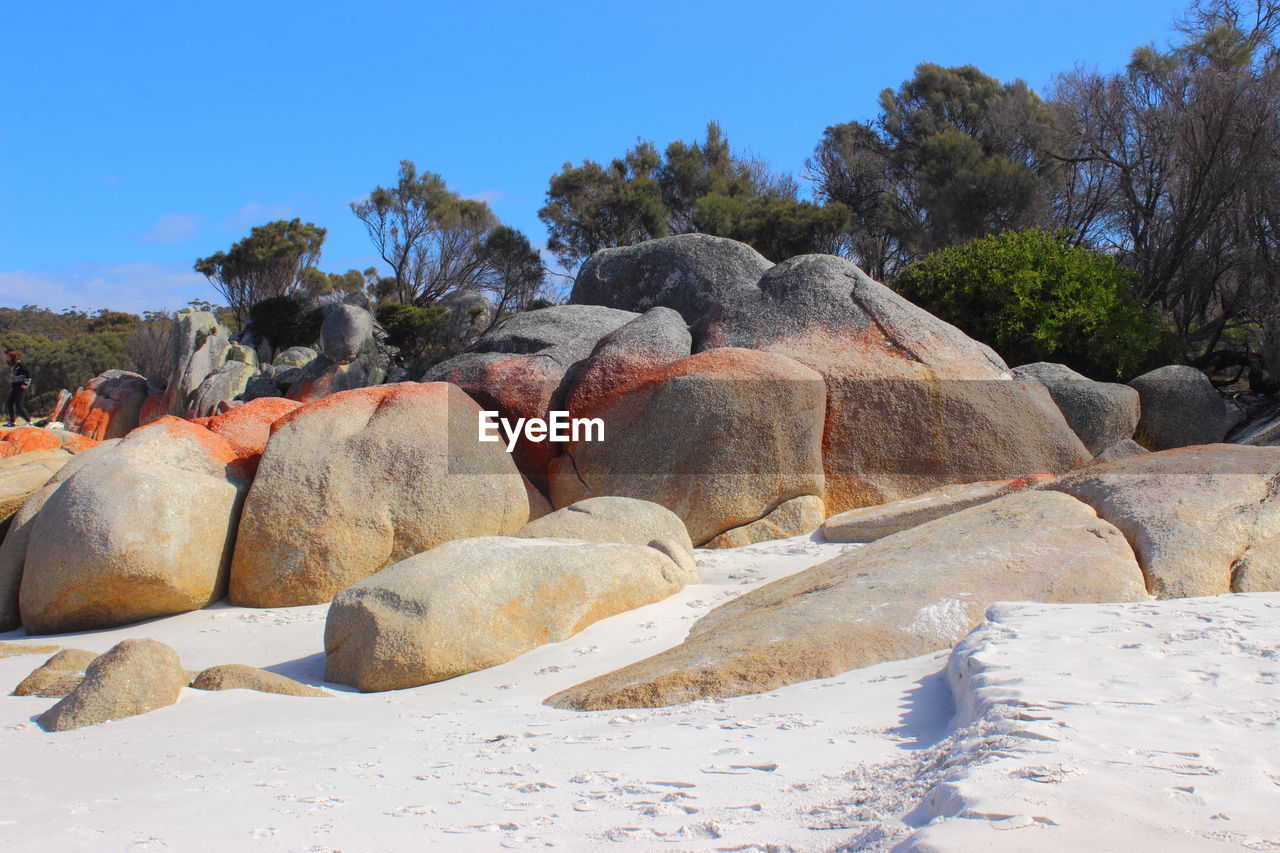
294,357
524,367
689,273
24,439
13,550
108,406
323,377
868,524
390,471
200,346
246,428
615,519
131,678
144,530
1180,407
1259,430
719,438
237,676
1124,449
1203,520
790,518
227,382
9,650
1100,413
346,331
905,595
654,339
57,676
22,476
475,603
912,402
468,314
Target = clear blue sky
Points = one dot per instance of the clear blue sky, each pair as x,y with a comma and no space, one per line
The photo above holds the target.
136,137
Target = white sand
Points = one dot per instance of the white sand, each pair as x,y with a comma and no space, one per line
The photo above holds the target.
479,763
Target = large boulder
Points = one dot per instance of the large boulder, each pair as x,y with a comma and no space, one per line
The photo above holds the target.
1100,413
719,438
615,519
131,678
654,339
13,550
912,402
227,382
353,483
294,357
689,273
1180,407
476,603
200,346
1203,520
867,524
345,333
524,367
109,406
902,596
142,530
468,313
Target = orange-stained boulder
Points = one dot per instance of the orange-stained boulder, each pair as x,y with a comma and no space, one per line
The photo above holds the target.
912,402
142,531
26,439
523,369
359,480
654,339
108,407
720,438
247,427
155,407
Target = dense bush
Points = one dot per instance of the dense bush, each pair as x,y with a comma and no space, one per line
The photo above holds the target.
286,321
1033,297
416,332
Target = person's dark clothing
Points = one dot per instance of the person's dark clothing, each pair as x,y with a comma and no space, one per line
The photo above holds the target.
20,380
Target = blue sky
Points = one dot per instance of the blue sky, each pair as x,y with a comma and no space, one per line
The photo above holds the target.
136,137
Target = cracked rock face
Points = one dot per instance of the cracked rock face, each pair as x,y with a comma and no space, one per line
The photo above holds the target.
912,402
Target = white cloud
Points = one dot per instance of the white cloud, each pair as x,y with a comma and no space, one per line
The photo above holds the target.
173,228
122,287
488,196
255,213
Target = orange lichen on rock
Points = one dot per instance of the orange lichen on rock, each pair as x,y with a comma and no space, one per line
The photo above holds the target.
26,439
246,428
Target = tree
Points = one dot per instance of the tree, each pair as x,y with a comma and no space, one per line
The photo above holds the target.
150,346
287,320
514,273
953,155
426,233
273,260
1174,166
1033,296
693,187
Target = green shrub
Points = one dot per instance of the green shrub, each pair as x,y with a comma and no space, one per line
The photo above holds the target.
415,331
1032,296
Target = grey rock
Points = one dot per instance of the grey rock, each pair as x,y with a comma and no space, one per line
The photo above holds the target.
1180,407
688,272
1125,448
295,357
1100,413
228,382
346,332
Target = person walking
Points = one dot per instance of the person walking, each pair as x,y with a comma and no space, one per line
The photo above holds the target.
19,382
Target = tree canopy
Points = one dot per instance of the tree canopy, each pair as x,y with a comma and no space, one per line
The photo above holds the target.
274,260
